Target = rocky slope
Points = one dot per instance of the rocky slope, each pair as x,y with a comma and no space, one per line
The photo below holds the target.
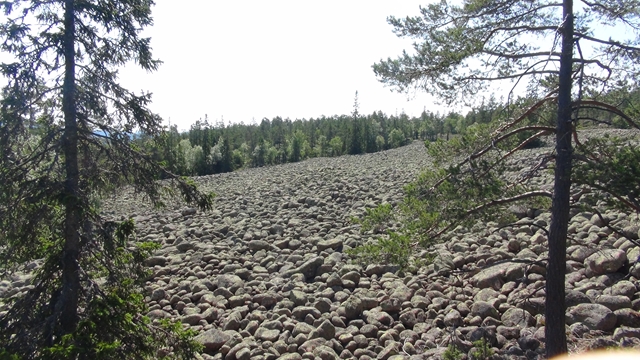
264,275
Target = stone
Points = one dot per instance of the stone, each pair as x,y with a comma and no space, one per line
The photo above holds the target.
353,307
605,261
625,332
267,334
627,317
290,356
212,340
495,276
517,318
229,282
486,294
484,309
158,294
453,318
325,353
415,316
595,316
575,297
528,343
624,288
376,317
185,246
308,268
267,299
327,330
614,302
156,260
299,298
257,245
330,244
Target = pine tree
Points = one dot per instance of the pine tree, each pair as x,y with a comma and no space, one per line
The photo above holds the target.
461,49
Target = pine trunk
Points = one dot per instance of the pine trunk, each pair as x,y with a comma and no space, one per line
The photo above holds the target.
556,339
68,301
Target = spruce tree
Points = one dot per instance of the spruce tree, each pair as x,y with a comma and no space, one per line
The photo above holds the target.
62,94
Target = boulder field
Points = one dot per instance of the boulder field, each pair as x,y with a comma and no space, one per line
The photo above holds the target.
264,275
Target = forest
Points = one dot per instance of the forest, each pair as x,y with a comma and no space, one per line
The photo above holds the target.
212,148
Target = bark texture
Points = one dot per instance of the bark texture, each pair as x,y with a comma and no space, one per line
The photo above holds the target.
556,338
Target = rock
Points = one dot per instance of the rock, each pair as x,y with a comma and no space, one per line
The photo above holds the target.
627,317
415,316
229,282
158,294
453,318
265,334
484,309
299,298
310,345
517,318
528,343
330,244
378,318
327,330
495,276
486,294
624,288
290,356
266,299
575,297
595,316
614,302
257,245
302,328
212,340
156,260
325,353
185,246
625,332
300,312
308,268
189,211
605,261
353,308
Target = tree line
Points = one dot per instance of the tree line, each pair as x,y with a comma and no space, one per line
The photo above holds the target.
215,147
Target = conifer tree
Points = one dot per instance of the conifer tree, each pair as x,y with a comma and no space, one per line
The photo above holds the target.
461,49
63,95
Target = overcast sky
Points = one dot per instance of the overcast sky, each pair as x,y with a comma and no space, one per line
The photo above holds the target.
246,60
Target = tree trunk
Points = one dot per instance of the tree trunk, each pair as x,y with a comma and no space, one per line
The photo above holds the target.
68,301
556,339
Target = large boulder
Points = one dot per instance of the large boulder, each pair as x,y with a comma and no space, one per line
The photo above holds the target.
495,276
594,316
605,261
212,340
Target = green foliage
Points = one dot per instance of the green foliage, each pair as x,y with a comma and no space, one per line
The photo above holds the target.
395,249
375,218
452,353
483,350
396,138
66,141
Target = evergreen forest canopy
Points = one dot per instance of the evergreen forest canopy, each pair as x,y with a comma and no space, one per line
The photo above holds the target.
211,148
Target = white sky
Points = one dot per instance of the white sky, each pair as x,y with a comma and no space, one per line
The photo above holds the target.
245,60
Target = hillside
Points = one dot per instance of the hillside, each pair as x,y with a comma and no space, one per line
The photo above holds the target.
264,274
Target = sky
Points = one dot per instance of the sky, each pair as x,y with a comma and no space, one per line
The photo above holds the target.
242,61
